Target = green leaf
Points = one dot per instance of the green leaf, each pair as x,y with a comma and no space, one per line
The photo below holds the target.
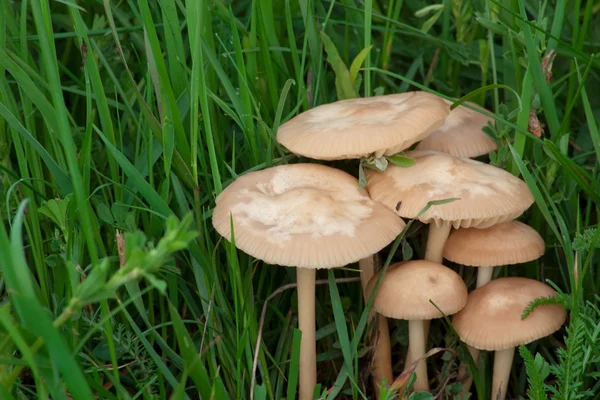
401,160
357,63
343,82
56,210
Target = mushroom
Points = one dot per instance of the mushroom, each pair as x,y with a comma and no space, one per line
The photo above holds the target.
507,243
405,293
365,127
308,216
362,127
461,135
492,321
485,195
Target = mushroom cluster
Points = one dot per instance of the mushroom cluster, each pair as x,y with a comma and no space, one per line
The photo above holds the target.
312,216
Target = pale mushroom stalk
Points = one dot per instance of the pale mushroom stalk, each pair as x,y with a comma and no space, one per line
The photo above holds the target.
484,275
306,323
382,352
438,234
416,350
502,365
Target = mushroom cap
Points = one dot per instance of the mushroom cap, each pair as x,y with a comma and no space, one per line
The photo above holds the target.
486,195
304,215
461,135
407,287
491,319
356,128
507,243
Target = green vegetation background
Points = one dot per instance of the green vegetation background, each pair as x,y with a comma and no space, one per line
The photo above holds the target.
115,115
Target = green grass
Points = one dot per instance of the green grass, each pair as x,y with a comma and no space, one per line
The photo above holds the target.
134,115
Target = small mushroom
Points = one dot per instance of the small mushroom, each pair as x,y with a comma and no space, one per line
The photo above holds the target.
507,243
405,293
462,134
491,321
355,128
306,216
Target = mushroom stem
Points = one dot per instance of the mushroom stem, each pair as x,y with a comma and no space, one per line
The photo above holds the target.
484,275
502,364
438,235
416,349
436,241
306,322
462,371
367,271
382,352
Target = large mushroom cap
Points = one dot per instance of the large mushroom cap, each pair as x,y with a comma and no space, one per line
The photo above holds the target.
304,215
486,195
461,135
491,319
407,287
361,127
507,243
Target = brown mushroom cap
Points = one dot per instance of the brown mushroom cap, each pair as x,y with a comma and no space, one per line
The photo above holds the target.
507,243
356,128
461,135
487,195
304,215
491,319
407,287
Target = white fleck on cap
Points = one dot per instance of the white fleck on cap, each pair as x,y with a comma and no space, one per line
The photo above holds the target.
487,195
304,215
355,128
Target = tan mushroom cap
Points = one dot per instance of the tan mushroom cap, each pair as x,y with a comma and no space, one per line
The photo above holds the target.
491,319
407,287
487,195
356,128
461,135
304,215
507,243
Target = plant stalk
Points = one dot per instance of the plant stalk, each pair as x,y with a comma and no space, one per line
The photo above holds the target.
502,364
306,323
416,348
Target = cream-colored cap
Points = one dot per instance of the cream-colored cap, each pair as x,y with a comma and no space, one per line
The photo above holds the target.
355,128
507,243
492,318
461,135
304,215
407,287
487,195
